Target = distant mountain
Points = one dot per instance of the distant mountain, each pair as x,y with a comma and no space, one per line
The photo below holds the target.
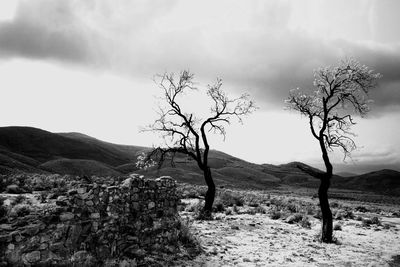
346,174
383,181
34,150
28,149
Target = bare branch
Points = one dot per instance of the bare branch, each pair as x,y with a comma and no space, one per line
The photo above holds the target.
184,133
337,89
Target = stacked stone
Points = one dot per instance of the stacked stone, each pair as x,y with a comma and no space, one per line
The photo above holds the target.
128,219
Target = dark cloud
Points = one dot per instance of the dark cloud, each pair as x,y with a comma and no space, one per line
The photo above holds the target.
274,66
25,39
45,30
259,53
84,32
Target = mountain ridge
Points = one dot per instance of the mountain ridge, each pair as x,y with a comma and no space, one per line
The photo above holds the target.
35,150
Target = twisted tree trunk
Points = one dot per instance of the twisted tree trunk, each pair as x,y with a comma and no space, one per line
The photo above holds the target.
210,195
327,221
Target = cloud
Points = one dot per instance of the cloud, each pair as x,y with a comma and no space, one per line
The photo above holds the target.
45,30
366,161
81,32
254,47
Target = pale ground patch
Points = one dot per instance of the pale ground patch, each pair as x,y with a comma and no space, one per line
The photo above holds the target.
257,240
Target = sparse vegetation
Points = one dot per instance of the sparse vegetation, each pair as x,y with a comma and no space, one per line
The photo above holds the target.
229,199
275,214
366,222
186,236
337,226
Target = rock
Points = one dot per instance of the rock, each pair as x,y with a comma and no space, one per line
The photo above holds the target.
31,229
72,192
80,256
95,215
126,263
81,190
66,216
14,189
33,256
59,249
43,246
235,227
6,227
74,232
127,183
62,201
151,205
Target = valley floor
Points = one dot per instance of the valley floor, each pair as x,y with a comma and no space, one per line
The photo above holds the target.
256,240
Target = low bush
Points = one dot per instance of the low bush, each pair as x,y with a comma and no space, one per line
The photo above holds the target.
195,207
260,209
275,214
294,218
186,236
337,227
218,207
228,211
361,209
371,221
229,199
305,222
334,205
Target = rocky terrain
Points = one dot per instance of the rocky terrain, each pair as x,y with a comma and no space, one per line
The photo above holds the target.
366,234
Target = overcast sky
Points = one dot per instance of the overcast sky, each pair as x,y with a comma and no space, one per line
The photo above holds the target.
87,66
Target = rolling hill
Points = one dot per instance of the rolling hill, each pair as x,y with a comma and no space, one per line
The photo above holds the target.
34,150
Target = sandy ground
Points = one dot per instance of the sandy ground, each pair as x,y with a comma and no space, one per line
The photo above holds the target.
257,240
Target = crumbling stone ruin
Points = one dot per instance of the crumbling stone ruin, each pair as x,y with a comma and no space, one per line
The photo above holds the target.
126,220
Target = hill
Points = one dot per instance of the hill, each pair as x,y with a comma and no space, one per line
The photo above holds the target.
34,150
383,181
29,149
79,167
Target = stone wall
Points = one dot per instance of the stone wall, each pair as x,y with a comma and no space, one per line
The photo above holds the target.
127,220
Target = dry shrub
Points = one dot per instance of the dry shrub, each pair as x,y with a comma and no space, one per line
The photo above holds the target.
218,206
305,222
361,209
260,209
294,218
371,221
186,236
337,227
229,199
275,214
195,207
228,211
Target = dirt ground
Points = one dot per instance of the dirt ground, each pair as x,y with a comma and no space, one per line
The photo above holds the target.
257,240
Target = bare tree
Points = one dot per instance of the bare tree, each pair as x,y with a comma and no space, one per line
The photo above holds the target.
341,92
185,133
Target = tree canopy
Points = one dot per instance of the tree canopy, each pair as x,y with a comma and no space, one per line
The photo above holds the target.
340,92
